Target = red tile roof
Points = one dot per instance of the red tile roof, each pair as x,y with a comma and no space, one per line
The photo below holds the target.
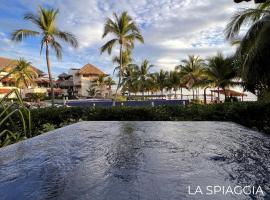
4,90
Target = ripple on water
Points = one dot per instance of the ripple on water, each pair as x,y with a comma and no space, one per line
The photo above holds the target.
134,160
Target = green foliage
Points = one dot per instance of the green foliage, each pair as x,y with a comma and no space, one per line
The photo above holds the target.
254,115
252,55
120,98
15,120
48,32
125,32
35,96
47,127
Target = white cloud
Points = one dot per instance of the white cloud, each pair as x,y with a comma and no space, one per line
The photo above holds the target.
171,28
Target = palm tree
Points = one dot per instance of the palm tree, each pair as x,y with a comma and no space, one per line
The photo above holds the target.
161,79
100,83
220,73
45,20
253,53
22,73
110,82
152,83
143,72
130,80
126,60
124,32
192,71
174,80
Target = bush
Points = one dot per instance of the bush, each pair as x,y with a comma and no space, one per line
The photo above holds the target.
254,115
36,97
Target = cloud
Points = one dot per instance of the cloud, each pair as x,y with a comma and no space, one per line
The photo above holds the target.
172,29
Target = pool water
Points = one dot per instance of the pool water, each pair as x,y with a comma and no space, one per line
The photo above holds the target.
136,160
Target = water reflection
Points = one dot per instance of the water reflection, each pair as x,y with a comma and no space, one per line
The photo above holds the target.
135,160
124,157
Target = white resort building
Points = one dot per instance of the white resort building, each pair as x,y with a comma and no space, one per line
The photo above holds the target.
78,81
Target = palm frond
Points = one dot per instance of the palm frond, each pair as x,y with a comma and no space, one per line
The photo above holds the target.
19,34
108,46
242,18
57,49
67,37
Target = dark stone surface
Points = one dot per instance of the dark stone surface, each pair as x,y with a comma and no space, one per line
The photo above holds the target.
135,160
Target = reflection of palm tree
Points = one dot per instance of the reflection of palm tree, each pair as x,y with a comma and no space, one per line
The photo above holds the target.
253,53
125,155
23,73
45,20
125,32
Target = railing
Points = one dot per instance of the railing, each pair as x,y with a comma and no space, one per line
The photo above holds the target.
109,103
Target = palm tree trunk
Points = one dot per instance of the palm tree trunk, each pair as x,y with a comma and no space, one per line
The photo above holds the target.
120,73
181,93
225,95
218,95
204,95
175,94
49,73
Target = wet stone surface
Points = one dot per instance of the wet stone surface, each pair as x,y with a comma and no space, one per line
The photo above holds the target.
136,160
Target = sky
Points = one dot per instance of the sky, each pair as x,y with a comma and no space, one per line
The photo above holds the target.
172,29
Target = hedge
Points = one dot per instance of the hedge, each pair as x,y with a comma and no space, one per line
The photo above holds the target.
254,115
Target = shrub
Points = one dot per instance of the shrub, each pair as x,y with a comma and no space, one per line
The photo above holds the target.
254,115
36,97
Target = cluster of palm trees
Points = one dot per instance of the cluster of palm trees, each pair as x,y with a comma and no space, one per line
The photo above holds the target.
99,84
250,62
193,73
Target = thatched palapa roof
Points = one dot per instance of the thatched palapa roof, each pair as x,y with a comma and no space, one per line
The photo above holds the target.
6,62
89,69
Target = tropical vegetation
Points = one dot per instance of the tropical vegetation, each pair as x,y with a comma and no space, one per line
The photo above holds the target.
125,32
252,55
23,74
45,21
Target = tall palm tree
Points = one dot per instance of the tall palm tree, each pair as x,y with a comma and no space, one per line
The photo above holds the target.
125,32
253,52
45,21
126,60
221,73
23,73
143,72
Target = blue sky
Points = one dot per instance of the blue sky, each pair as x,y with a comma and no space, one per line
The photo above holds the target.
172,29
